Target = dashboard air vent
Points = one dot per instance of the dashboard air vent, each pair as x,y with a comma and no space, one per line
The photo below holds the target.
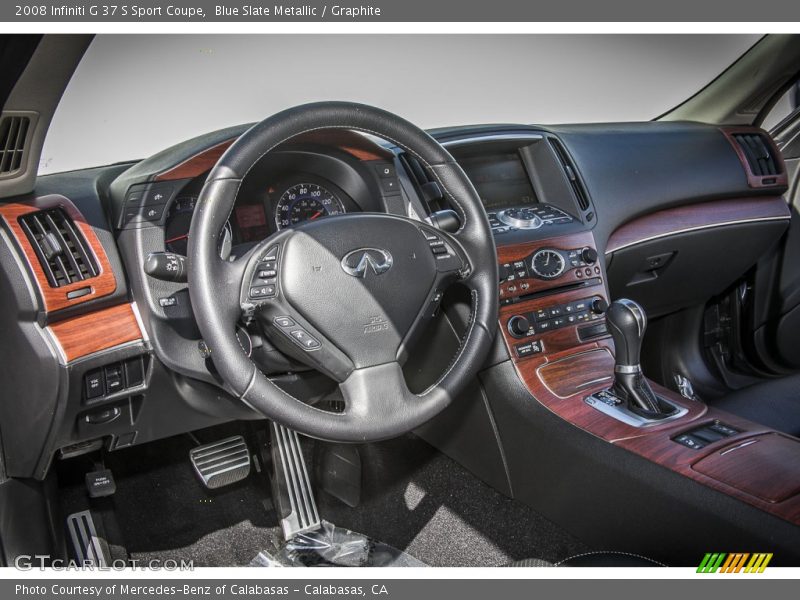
571,173
759,154
13,138
62,250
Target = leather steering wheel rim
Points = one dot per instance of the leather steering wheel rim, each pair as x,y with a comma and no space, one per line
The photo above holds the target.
380,406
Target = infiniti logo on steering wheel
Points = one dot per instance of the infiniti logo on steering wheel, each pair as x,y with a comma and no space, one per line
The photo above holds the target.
358,262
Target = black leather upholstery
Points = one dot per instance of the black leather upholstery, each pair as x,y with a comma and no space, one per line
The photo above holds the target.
775,404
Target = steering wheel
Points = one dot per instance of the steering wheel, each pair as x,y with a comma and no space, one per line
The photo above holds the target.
349,294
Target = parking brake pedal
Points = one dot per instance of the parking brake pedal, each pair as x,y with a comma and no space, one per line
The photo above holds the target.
221,463
292,491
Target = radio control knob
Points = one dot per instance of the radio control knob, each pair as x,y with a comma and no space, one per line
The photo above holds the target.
589,255
599,306
518,326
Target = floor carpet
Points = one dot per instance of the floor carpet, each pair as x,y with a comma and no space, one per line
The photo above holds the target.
413,498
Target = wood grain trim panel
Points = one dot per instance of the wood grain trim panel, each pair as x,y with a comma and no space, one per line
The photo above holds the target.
54,299
196,165
353,143
573,374
694,217
97,331
766,466
659,447
753,180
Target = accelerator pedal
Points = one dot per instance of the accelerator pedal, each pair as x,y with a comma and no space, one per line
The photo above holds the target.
90,549
291,485
221,463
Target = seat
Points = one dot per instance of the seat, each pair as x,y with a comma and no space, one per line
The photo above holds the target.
774,403
593,559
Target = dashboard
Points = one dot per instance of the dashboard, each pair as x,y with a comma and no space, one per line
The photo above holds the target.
302,184
567,228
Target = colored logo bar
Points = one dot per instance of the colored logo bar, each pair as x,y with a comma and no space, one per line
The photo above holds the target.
737,562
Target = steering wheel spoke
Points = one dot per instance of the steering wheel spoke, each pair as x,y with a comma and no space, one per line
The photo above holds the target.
378,395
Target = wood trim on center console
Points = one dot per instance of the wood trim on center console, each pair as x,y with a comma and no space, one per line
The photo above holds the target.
54,299
566,369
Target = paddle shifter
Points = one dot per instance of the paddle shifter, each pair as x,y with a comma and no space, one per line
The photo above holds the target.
627,322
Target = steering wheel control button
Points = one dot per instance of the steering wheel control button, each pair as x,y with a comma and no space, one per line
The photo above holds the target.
262,291
307,341
267,274
283,321
264,278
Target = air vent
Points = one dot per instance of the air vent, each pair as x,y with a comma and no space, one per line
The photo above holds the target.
62,250
759,154
571,173
13,139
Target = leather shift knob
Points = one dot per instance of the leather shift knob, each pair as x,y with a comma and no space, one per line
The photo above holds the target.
627,323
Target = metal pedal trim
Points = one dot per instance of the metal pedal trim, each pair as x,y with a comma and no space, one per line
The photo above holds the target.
294,484
221,463
87,544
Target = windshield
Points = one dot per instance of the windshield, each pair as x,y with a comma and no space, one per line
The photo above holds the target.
134,95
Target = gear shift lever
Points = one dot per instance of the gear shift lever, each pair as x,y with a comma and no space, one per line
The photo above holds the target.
627,323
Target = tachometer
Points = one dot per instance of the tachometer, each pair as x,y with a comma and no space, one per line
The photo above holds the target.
305,202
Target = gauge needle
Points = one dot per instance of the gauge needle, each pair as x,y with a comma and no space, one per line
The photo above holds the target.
175,239
315,215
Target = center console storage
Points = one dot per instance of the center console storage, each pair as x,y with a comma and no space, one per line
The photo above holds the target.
765,466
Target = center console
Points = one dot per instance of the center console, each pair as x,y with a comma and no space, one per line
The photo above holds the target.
555,322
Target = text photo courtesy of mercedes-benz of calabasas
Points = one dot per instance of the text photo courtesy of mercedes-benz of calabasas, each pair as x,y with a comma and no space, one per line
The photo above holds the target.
307,331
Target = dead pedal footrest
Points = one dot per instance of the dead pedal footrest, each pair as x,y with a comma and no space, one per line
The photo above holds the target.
295,498
88,546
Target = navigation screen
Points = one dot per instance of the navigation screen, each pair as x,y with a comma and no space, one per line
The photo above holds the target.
500,179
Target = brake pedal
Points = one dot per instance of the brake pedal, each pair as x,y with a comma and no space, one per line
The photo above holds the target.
221,463
89,547
294,498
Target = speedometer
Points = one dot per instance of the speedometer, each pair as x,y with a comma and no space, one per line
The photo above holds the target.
305,202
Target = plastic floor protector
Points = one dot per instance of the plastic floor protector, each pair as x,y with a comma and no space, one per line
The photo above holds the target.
332,546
